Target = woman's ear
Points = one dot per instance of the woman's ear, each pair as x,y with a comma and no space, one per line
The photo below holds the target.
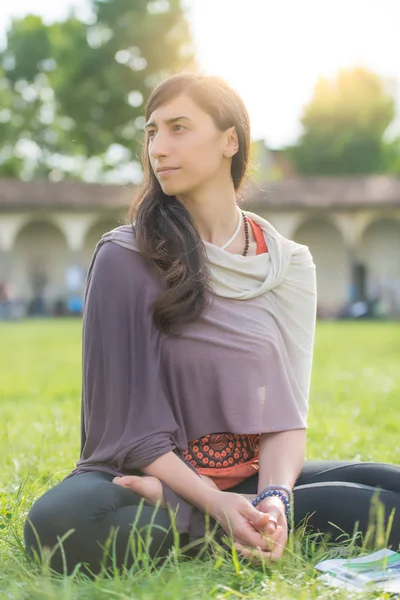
231,142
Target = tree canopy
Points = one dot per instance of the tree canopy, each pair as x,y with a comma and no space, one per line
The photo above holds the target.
72,93
344,126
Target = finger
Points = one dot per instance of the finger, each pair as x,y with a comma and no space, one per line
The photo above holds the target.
271,525
258,518
274,513
249,533
279,544
267,524
274,542
253,537
124,481
256,555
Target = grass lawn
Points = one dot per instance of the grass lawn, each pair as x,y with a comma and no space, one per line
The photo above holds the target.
354,413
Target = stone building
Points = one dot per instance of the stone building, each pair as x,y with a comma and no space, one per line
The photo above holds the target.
48,232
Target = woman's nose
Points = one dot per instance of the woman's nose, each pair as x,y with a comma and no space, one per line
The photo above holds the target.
159,146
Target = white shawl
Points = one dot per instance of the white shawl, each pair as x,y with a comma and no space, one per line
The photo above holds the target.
284,281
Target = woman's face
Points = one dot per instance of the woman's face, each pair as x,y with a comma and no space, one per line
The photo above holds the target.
185,147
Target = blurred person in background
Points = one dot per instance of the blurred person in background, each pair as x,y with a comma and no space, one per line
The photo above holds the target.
39,283
5,301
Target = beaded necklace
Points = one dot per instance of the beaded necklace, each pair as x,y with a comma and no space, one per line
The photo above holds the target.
246,234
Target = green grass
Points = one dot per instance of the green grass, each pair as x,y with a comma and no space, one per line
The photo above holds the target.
354,408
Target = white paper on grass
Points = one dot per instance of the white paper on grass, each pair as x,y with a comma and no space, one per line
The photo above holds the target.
378,571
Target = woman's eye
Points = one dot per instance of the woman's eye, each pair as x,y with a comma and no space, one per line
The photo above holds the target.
151,133
178,127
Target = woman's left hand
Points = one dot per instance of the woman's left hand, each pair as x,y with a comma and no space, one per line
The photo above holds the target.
276,530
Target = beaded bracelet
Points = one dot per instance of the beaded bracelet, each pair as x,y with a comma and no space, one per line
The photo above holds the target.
275,490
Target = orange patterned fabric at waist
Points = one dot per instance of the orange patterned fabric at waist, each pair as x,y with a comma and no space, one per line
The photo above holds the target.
226,457
228,477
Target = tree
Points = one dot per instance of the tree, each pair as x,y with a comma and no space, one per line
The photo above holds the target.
392,156
77,89
344,125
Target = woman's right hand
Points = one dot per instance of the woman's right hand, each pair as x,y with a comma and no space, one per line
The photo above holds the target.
242,520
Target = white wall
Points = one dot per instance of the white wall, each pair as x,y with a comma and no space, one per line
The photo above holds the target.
379,251
39,247
330,255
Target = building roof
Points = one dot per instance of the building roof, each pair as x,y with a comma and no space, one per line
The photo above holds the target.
327,192
295,192
70,195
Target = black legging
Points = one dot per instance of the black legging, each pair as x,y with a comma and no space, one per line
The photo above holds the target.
336,492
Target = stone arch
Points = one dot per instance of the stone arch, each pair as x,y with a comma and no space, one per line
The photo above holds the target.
330,255
94,234
40,258
368,218
284,222
379,252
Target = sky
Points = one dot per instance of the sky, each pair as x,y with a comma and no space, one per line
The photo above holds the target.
272,52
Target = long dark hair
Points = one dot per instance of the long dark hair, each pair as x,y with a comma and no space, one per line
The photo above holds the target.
165,232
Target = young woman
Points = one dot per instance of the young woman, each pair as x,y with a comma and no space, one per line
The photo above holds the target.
197,349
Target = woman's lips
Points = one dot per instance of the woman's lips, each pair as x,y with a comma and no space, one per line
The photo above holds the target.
164,172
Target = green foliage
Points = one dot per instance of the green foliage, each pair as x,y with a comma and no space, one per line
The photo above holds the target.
28,46
344,125
392,156
261,163
77,89
355,396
